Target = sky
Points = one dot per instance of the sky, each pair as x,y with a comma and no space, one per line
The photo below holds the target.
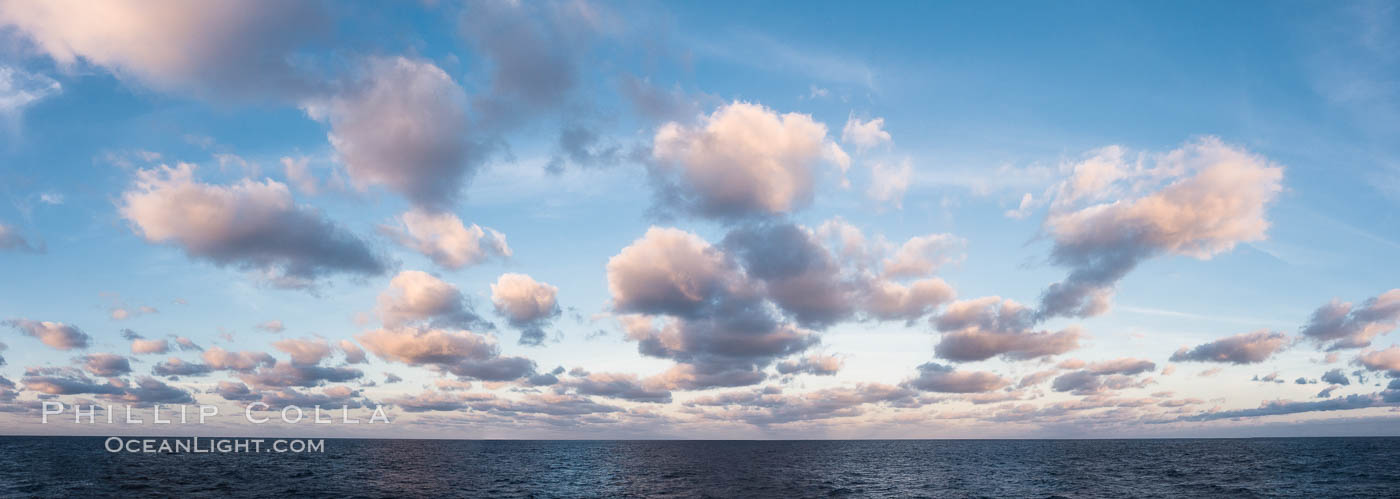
601,220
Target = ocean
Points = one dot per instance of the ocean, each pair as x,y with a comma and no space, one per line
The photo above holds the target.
1269,467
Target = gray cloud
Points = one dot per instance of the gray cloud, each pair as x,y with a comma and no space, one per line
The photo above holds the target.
798,274
939,378
1116,374
715,322
330,397
1245,348
987,327
532,47
1278,407
618,385
1347,326
583,147
11,240
1336,377
68,381
148,390
105,364
770,406
284,374
177,367
249,225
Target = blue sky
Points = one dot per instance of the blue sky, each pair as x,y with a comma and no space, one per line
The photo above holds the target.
1285,115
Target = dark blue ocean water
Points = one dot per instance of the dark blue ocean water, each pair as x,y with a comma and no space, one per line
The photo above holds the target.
1298,467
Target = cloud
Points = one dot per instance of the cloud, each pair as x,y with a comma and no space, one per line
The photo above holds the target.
121,313
583,147
446,241
233,390
991,326
299,174
430,401
819,286
220,359
231,49
743,159
272,326
770,406
669,271
526,304
353,353
1335,377
797,273
187,345
1023,209
1097,377
655,103
619,386
888,300
249,225
176,367
888,182
283,374
54,334
1279,407
331,396
148,390
416,297
67,381
459,352
533,48
1348,326
1382,360
715,322
814,364
1245,348
1125,366
864,134
403,126
18,91
726,311
106,365
10,240
923,255
304,352
1085,383
939,378
1212,196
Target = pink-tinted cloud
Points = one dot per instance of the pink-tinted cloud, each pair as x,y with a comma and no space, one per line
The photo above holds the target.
54,334
1212,196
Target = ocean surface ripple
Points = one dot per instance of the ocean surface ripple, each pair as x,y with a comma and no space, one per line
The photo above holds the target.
1287,467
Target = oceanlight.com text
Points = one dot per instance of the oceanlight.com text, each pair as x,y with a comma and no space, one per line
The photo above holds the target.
197,445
